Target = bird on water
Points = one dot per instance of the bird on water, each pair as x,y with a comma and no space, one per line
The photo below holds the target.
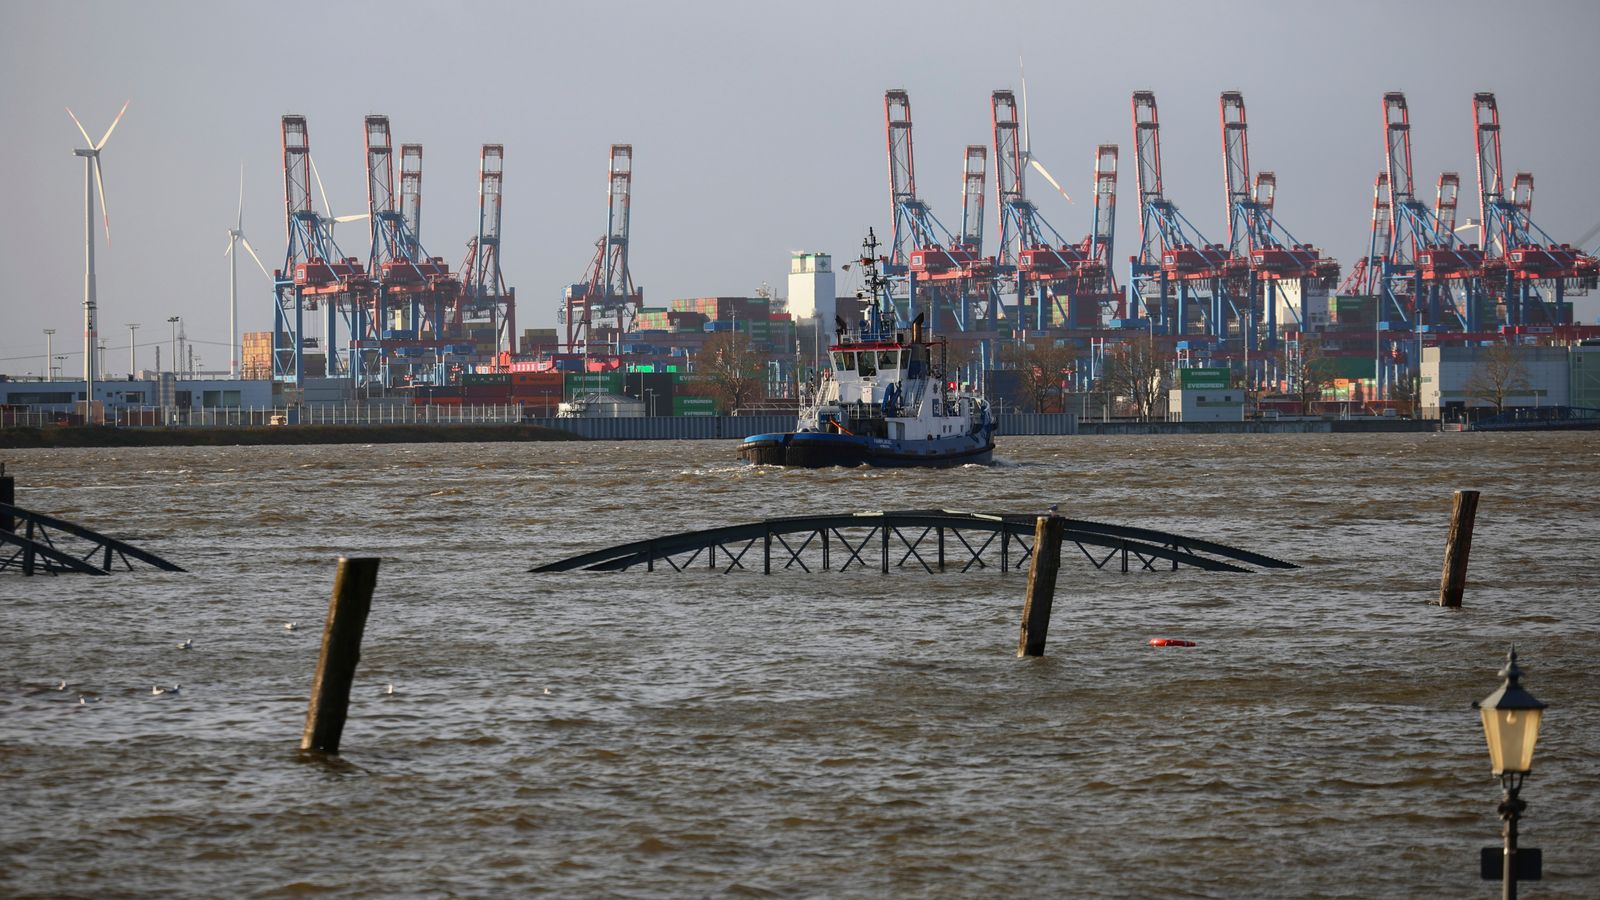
157,690
188,644
291,626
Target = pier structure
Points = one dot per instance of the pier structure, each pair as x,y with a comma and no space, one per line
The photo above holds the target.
929,541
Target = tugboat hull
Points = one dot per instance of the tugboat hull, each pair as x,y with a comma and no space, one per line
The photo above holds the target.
812,450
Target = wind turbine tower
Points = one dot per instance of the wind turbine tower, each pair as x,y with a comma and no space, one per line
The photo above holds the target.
235,238
93,182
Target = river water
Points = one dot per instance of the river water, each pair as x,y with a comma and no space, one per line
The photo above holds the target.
832,734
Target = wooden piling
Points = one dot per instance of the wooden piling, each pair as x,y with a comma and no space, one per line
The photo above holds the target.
8,496
341,650
1047,535
1457,547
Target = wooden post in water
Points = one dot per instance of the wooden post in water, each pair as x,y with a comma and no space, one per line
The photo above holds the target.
1457,547
341,650
8,496
1041,585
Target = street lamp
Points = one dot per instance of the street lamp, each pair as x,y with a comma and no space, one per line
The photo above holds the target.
1511,725
173,321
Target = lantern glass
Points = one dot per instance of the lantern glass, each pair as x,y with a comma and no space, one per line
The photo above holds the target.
1511,734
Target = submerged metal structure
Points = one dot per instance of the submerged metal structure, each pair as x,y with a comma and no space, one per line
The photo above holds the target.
34,543
932,540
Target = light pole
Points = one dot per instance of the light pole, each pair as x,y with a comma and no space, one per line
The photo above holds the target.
1511,724
133,362
49,354
173,321
650,401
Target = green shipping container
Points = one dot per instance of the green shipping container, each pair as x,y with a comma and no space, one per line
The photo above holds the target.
1207,379
694,406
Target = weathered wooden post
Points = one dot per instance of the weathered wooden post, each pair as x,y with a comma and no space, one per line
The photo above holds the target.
8,496
1457,547
341,650
1041,584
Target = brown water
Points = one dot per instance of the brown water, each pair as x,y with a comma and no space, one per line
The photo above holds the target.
800,735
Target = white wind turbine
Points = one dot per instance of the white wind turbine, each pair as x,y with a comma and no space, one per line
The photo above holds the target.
235,238
93,182
1027,143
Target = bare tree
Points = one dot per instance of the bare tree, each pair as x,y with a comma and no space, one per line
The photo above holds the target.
1310,372
1043,368
731,370
1138,371
1498,372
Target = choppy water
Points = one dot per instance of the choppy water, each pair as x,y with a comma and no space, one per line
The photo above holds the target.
826,735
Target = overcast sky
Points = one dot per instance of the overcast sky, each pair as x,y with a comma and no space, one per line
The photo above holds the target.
757,129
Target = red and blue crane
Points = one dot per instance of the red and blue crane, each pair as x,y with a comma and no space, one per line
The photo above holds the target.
1262,253
1423,263
399,333
315,272
1171,250
607,303
922,251
484,294
1521,260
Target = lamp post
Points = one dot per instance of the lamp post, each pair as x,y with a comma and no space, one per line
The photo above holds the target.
49,354
173,321
1511,725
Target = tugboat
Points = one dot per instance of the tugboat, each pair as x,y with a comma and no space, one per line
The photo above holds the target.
883,400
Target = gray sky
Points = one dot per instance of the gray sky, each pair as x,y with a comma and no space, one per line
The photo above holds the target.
757,128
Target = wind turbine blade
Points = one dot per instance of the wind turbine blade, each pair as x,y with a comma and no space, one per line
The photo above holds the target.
229,248
113,127
240,226
1050,178
1027,127
80,129
326,207
252,251
100,185
355,218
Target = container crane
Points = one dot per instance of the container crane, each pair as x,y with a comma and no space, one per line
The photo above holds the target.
1171,249
403,322
484,294
921,248
608,301
411,195
974,171
315,272
1095,279
1421,261
1264,259
1031,255
1522,260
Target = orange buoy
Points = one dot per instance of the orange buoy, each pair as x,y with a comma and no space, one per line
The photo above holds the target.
1170,642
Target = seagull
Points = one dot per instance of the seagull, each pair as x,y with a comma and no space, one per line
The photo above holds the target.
62,686
291,626
188,644
389,689
547,690
157,690
85,700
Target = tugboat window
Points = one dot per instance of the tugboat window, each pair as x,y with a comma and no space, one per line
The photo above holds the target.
887,359
843,360
866,366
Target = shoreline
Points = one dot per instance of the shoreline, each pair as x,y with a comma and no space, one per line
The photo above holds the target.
20,438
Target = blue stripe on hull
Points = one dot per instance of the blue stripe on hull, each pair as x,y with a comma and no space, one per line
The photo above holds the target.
819,450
